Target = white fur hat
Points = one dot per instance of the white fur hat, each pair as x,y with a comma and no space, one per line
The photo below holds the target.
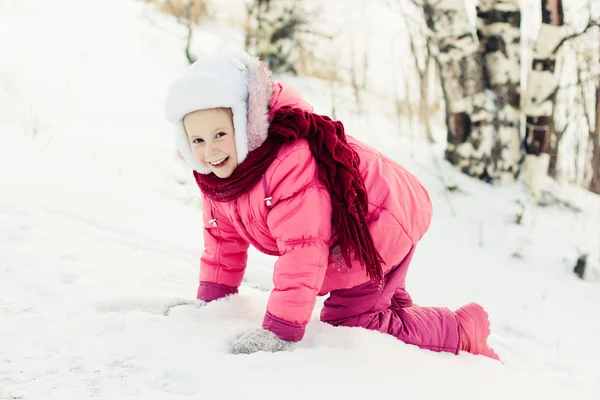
230,80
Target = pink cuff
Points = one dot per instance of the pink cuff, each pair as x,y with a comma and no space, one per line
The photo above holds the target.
208,291
284,330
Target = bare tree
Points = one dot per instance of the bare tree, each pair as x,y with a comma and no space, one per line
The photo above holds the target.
543,80
541,135
188,13
588,69
581,95
498,30
595,141
358,75
402,106
594,185
481,77
274,33
474,143
541,139
575,111
422,58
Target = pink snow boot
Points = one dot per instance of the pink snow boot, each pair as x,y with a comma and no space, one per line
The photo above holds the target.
474,330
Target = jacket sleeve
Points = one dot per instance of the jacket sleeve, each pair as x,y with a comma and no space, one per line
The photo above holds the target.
225,255
300,221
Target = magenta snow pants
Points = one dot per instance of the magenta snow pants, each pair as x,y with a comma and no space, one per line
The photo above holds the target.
390,309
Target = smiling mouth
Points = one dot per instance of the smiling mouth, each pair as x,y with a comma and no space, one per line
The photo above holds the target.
219,163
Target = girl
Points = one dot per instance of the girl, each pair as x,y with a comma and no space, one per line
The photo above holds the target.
342,218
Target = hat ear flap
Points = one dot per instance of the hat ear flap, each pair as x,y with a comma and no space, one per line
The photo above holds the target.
260,92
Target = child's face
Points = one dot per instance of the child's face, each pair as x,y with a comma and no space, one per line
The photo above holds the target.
211,137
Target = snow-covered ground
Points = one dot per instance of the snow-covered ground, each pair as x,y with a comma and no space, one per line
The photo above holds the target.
99,228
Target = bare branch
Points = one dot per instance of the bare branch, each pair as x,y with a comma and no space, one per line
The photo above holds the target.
188,10
591,23
174,11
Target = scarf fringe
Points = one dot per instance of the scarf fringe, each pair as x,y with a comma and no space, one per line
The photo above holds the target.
360,244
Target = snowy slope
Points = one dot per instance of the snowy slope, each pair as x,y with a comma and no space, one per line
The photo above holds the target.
95,237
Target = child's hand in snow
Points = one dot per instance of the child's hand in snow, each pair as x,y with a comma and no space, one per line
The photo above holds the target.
169,305
259,340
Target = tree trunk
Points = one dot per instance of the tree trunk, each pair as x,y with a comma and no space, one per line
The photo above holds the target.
445,95
191,59
457,56
273,34
356,86
481,81
424,100
498,23
595,139
423,75
540,136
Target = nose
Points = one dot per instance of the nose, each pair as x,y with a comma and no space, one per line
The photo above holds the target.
210,150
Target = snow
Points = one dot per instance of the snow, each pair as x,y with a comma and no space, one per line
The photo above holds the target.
99,229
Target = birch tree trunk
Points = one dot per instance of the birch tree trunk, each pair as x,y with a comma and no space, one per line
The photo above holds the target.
541,138
424,98
595,139
541,141
456,51
481,78
499,32
594,185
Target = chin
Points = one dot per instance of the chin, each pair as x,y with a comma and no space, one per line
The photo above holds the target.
223,174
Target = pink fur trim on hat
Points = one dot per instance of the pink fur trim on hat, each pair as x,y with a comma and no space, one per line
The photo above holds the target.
260,90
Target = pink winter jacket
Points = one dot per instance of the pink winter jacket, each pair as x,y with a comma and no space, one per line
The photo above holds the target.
296,226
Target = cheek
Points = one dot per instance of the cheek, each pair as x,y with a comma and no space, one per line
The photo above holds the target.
198,154
232,150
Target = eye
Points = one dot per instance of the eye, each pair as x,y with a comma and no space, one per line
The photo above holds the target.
220,134
198,141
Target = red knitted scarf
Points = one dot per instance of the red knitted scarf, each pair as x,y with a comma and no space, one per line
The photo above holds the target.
338,169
